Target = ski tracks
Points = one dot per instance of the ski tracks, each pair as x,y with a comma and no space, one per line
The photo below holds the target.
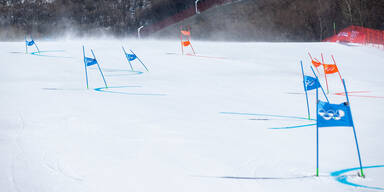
57,165
28,165
17,154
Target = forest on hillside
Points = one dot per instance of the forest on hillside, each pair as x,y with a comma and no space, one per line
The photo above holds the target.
81,17
284,20
306,20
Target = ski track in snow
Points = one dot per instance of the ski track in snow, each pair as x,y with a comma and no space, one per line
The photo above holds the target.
112,90
17,154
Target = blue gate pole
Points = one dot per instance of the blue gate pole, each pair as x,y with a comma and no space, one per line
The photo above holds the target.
305,89
354,132
320,84
139,60
85,64
317,132
38,50
101,72
125,53
34,42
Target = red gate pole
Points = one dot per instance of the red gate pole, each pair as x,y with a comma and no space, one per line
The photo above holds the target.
338,71
325,74
181,40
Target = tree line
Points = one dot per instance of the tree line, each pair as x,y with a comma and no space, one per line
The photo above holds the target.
50,18
303,20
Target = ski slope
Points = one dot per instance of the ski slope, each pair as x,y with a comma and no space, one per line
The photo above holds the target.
233,119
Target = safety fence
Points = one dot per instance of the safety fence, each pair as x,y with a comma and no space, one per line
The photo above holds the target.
361,35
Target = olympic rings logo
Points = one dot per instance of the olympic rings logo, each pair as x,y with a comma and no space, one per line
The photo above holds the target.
332,114
330,68
309,83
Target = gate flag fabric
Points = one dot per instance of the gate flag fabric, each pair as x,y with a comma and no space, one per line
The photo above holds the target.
330,68
90,61
130,57
333,115
311,83
316,63
186,33
30,43
186,43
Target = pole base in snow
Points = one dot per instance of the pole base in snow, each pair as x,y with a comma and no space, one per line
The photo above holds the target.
361,174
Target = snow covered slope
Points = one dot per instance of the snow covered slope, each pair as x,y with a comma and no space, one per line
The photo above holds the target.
233,119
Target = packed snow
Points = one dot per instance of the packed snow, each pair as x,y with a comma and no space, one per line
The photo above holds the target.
233,118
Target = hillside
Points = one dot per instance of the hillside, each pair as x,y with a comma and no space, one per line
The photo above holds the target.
245,20
277,20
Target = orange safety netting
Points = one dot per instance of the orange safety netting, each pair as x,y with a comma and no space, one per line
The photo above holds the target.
330,68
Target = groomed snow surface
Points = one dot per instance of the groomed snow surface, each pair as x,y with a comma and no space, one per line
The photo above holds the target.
234,119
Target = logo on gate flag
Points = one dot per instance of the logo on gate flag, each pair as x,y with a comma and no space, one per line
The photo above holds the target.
90,61
330,68
131,57
311,83
333,115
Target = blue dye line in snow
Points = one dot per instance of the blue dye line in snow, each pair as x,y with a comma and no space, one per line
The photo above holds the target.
267,115
108,90
52,51
339,177
297,126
